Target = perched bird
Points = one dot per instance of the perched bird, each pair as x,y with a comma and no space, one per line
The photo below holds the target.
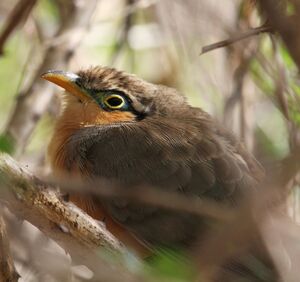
116,126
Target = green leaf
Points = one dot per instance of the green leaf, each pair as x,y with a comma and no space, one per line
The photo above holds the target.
170,266
6,144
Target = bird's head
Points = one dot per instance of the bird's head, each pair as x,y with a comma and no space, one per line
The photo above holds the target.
102,95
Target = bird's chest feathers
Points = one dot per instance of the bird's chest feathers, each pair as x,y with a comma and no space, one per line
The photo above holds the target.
74,118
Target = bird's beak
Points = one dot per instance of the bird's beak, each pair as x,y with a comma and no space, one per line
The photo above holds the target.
66,80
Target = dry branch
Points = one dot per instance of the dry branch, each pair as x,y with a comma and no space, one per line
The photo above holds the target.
235,38
80,235
19,13
34,101
8,272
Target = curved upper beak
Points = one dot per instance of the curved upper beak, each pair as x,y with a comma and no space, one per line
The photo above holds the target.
66,80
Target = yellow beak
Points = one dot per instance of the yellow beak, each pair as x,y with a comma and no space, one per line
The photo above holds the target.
66,80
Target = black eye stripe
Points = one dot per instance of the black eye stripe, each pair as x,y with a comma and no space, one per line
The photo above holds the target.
97,95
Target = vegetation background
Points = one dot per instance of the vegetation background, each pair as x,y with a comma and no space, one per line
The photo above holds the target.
250,85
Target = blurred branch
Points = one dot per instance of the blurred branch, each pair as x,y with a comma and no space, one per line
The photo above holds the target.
290,168
122,39
235,38
75,231
286,26
282,95
8,272
134,5
19,13
151,196
131,9
35,100
245,231
239,76
243,56
241,235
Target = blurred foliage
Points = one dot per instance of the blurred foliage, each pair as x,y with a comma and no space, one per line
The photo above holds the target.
11,73
170,265
6,144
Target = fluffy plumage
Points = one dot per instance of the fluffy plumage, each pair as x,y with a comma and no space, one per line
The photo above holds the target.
163,142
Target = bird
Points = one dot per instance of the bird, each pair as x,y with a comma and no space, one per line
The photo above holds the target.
119,127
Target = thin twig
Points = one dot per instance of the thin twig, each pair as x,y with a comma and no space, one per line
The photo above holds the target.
239,76
235,38
122,39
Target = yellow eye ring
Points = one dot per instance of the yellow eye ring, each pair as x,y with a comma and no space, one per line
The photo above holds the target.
114,101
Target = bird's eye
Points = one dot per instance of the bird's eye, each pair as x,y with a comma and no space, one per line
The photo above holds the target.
114,101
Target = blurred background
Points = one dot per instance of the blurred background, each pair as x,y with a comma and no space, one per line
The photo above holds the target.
251,86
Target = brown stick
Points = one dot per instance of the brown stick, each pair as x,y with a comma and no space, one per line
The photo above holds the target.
8,272
235,38
72,229
19,13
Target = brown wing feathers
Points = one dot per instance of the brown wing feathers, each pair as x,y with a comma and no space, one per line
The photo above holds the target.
173,146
